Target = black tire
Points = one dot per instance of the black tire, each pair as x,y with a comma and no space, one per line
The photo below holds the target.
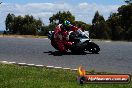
94,48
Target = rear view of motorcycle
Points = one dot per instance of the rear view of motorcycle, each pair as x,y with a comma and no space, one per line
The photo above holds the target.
81,43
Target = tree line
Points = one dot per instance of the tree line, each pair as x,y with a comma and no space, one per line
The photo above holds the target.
118,26
26,25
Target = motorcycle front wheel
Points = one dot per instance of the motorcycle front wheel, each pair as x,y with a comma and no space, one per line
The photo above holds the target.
93,48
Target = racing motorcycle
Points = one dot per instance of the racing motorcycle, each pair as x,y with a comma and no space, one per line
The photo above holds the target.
81,43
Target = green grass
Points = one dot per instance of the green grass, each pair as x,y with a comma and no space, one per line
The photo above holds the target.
13,76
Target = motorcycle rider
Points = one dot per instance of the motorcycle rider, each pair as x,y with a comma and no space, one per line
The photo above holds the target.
61,35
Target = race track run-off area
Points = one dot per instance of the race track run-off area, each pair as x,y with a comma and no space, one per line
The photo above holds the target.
115,56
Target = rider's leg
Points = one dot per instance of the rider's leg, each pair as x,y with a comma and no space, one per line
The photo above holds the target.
61,46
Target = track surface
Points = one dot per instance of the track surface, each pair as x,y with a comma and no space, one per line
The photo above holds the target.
113,57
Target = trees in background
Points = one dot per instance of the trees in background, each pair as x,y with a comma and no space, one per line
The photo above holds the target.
118,26
128,1
26,25
99,28
114,25
9,22
120,23
61,16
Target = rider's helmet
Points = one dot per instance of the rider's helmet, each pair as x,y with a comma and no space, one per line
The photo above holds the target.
67,25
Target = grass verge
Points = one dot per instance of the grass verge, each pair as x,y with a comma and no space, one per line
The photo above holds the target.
23,36
14,76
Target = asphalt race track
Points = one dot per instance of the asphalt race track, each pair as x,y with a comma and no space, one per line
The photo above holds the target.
113,57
